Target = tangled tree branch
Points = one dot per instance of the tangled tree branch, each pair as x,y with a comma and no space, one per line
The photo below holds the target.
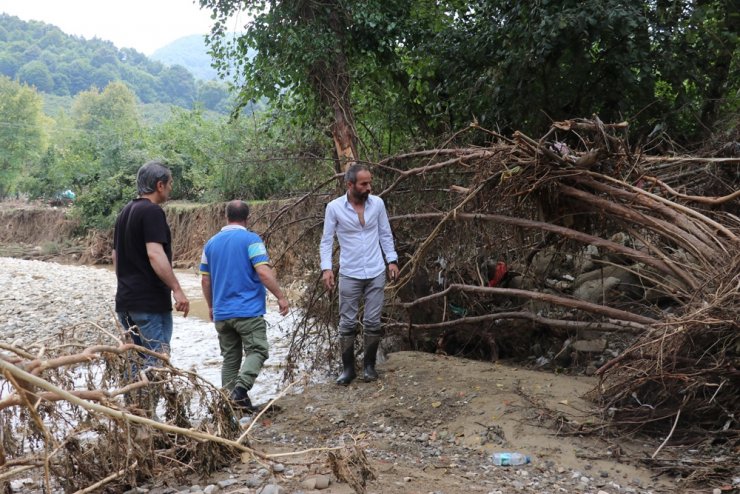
555,235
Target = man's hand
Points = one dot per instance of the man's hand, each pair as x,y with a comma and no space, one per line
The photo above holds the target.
182,304
284,305
328,277
393,271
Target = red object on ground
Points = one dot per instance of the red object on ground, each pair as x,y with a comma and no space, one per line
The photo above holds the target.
498,274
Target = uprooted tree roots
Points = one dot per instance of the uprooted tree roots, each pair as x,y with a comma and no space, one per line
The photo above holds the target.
81,421
512,249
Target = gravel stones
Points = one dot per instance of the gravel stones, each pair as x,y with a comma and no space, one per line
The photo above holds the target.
39,300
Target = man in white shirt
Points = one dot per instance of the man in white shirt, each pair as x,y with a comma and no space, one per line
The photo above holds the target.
361,225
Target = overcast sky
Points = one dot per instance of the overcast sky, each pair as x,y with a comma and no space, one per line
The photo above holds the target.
141,24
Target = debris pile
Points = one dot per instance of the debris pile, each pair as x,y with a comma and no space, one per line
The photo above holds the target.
81,418
569,250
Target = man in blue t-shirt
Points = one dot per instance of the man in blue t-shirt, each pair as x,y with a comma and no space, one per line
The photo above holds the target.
235,271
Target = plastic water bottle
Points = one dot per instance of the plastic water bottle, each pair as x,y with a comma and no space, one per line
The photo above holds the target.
510,459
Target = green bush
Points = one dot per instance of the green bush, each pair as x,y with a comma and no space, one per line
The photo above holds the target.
99,205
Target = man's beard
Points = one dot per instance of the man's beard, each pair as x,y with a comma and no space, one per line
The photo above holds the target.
360,196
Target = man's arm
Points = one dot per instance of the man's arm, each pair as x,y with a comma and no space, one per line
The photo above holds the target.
205,285
268,278
326,246
327,238
386,243
163,269
385,236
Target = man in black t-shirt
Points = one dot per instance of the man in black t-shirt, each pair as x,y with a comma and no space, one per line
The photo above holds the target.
142,255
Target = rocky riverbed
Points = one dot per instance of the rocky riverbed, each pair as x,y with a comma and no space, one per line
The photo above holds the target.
38,299
429,425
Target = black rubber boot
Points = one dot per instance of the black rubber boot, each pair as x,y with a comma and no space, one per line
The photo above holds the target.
371,353
240,399
347,345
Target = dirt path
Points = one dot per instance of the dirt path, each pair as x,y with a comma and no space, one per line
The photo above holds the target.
431,423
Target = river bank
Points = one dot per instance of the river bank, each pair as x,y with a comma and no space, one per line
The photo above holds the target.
428,426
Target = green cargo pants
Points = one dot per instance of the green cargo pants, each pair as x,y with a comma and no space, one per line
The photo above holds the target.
242,337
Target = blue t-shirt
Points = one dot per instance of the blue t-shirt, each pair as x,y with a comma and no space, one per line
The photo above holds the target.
230,258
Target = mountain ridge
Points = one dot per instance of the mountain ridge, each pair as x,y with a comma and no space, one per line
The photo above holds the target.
190,52
54,62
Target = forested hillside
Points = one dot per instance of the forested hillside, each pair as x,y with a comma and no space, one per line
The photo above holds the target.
189,52
43,56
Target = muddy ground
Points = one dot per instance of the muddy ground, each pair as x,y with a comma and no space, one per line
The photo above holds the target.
431,423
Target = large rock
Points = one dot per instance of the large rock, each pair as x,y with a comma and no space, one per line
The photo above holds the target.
597,291
590,346
551,263
609,284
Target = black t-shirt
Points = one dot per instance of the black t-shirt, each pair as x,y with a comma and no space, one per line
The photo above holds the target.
139,287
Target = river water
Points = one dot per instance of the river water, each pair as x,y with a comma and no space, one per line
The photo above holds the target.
38,299
195,342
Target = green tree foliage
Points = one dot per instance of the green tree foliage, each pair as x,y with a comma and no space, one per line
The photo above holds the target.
108,132
96,151
553,60
8,64
22,136
176,80
266,156
43,56
431,67
697,53
98,206
320,61
190,145
521,64
214,96
35,73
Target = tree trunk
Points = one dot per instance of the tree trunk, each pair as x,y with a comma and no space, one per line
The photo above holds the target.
721,71
331,81
343,132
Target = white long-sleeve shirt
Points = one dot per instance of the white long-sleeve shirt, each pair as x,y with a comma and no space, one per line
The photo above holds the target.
360,246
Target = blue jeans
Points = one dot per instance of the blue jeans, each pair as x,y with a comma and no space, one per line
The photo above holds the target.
153,331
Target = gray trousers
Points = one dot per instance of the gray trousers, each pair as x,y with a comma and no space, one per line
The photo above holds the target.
351,292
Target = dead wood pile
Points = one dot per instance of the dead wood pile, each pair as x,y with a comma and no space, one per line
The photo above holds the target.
511,249
92,418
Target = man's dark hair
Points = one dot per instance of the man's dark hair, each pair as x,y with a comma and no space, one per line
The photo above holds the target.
237,211
350,176
149,175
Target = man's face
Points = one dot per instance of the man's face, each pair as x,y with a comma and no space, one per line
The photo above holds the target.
165,189
362,186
